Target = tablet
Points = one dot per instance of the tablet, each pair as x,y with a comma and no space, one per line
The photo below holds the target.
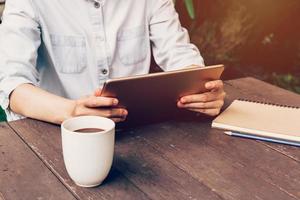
150,96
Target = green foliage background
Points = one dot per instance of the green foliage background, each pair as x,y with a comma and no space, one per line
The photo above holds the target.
257,38
2,115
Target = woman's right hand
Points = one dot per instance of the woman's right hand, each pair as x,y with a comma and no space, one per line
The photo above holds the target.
99,106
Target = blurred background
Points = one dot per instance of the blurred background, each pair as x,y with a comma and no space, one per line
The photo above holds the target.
259,38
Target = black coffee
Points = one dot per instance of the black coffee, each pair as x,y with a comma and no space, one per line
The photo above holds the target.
89,130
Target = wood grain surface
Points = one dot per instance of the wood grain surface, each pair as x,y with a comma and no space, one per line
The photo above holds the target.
184,159
45,140
22,174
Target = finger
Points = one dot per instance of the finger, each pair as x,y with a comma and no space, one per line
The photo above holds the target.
97,93
209,112
205,97
214,85
203,105
109,113
93,102
118,119
114,113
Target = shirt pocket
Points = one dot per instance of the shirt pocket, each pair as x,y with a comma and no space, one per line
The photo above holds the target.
69,53
132,46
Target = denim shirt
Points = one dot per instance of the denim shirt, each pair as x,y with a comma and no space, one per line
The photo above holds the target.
71,47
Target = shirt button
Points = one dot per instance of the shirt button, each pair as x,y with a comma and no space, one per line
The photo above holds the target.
104,71
97,4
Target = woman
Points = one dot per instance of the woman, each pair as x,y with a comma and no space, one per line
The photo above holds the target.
55,55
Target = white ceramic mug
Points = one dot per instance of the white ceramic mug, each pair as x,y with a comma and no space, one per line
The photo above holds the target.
88,156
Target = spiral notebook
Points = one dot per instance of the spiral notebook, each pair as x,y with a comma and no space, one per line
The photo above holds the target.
261,119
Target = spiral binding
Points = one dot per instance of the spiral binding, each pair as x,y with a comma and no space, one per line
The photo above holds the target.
269,103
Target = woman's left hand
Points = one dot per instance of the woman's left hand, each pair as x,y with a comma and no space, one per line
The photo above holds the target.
209,103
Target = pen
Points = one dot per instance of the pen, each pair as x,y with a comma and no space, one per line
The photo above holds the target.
262,138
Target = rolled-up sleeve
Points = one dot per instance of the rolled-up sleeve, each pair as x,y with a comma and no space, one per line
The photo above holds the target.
19,43
170,41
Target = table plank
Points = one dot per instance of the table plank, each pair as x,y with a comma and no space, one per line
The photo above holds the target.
245,159
183,160
259,90
1,196
157,177
267,92
22,174
141,164
45,140
192,150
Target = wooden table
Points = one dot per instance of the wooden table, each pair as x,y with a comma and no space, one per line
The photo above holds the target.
169,160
